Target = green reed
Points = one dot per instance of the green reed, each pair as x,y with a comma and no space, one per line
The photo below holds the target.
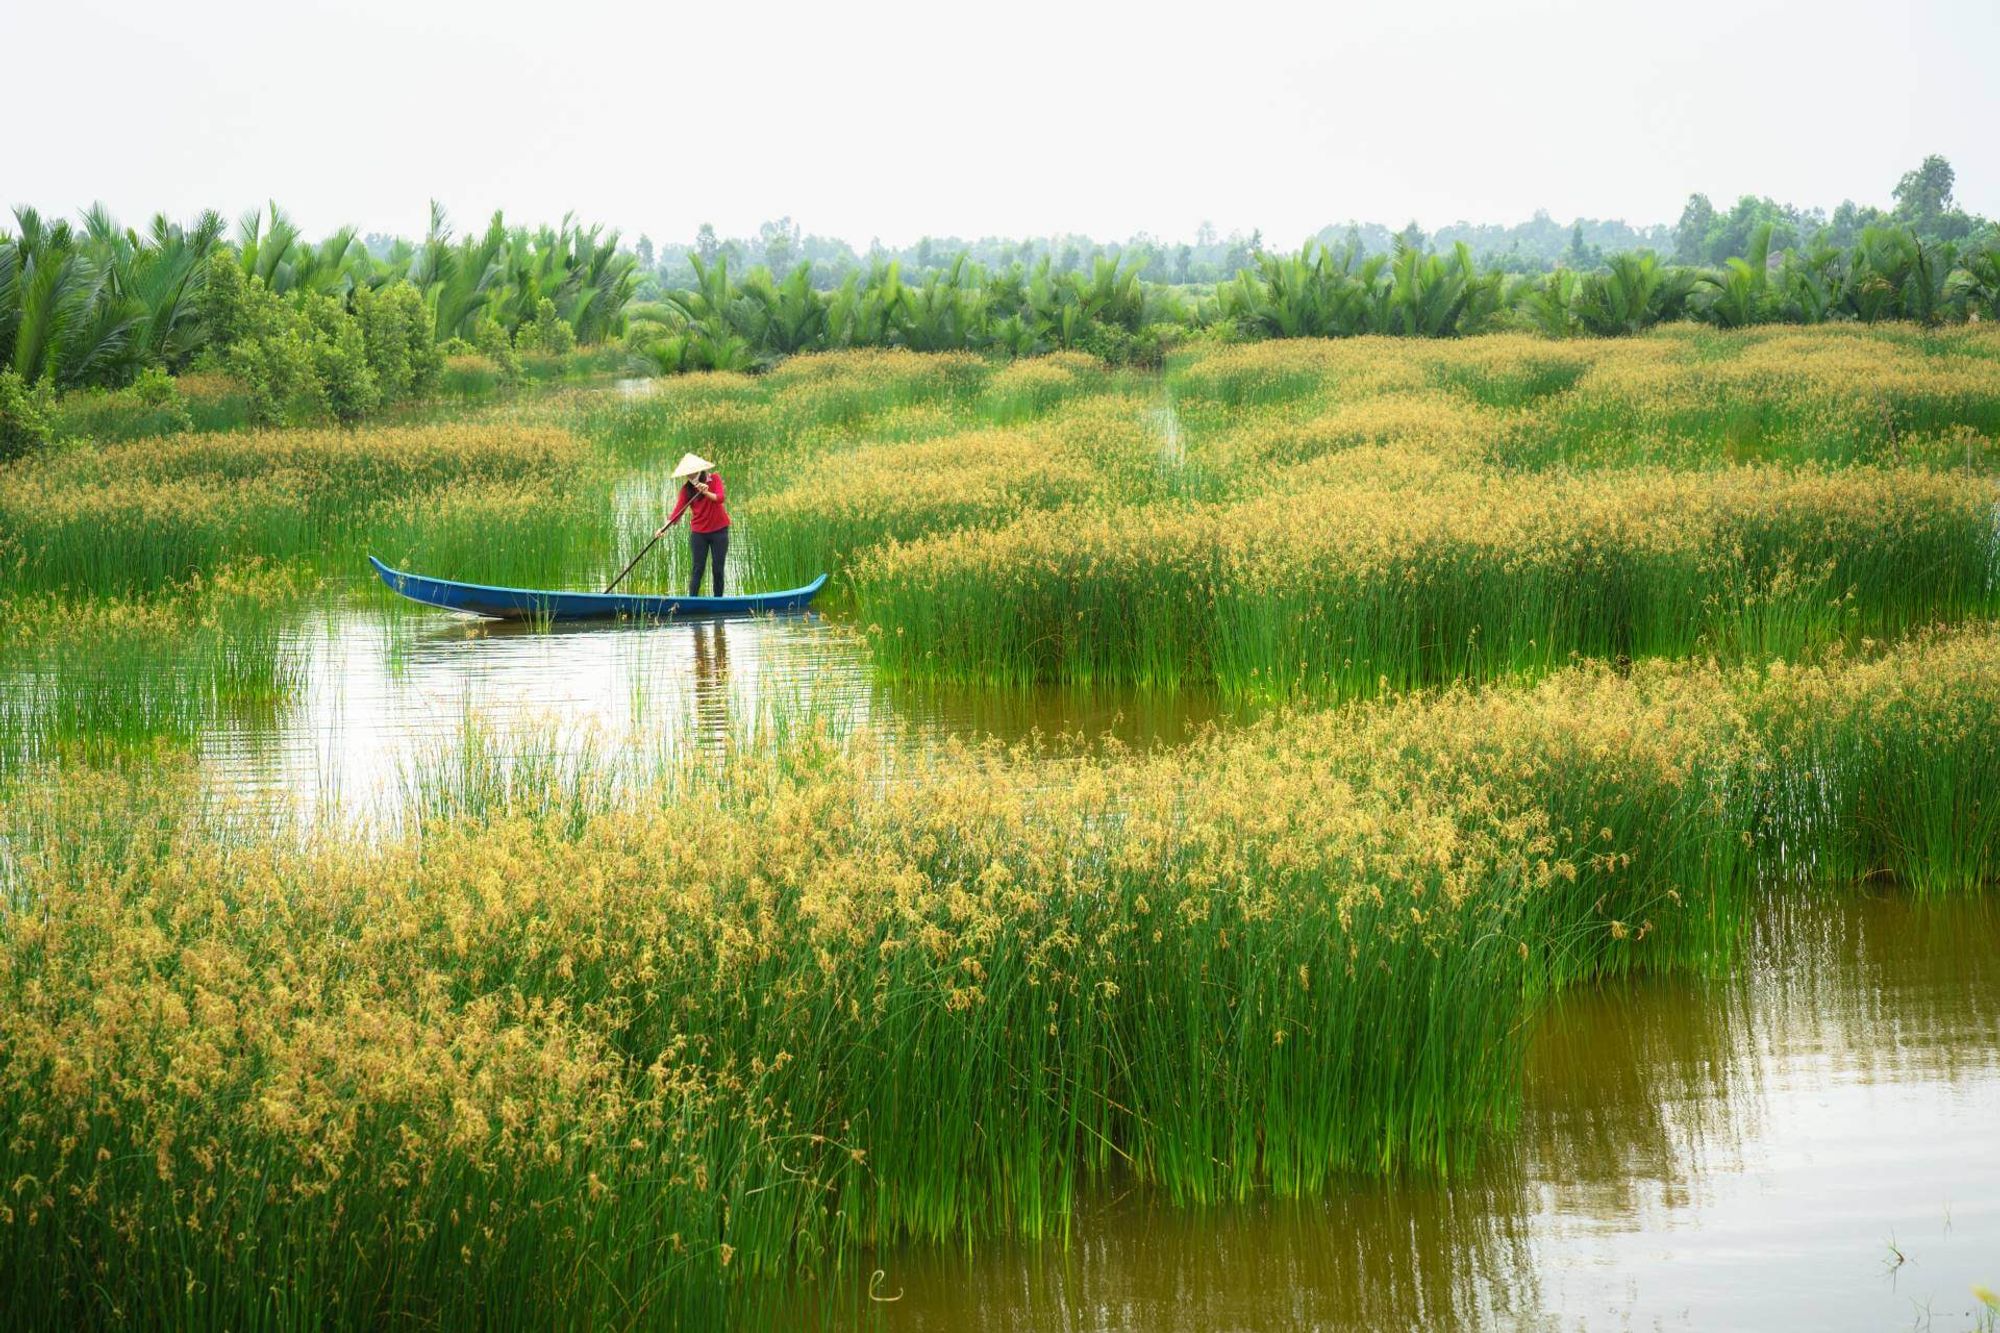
101,678
1262,600
581,1057
121,519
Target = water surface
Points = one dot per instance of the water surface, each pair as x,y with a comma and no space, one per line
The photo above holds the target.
386,693
1814,1144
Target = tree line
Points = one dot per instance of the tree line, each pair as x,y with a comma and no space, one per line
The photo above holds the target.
1704,234
315,328
1890,272
338,327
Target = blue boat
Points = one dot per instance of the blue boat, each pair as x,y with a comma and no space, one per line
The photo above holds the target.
539,604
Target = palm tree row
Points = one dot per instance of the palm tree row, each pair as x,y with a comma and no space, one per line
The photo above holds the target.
723,324
1888,274
94,304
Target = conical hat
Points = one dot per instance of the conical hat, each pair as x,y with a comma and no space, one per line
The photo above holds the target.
691,464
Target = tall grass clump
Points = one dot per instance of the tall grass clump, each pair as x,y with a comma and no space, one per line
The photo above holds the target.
1333,517
1346,589
1681,398
128,518
770,420
543,1064
1825,395
840,504
1889,768
101,677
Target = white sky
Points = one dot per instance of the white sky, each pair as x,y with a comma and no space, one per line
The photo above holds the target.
1018,118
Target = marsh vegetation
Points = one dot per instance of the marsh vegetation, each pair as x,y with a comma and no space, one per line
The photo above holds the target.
1546,663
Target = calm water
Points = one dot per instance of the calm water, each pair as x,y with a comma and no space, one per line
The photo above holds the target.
1738,1155
387,692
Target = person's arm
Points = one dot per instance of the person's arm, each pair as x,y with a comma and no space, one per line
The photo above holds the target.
714,488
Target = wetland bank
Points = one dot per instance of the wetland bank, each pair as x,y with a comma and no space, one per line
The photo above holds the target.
1447,811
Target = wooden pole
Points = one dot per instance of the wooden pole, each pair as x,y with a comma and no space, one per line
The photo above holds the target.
635,560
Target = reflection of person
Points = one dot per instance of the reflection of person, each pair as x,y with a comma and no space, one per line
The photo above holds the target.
711,682
708,521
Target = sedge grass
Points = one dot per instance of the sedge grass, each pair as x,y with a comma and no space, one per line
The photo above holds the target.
139,517
557,1066
1686,398
100,677
1347,590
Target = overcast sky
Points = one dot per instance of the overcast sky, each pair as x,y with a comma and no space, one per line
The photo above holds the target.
1022,118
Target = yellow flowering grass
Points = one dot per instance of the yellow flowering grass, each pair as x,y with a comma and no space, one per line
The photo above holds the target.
550,1070
97,677
838,503
148,513
1415,579
1684,396
1327,518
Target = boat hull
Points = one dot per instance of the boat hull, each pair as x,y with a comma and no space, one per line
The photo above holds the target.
494,603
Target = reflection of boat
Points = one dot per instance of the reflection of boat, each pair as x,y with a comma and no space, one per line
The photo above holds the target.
540,604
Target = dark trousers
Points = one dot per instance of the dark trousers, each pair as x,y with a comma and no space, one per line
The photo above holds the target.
702,545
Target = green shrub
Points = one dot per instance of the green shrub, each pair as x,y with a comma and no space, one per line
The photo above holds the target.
396,330
493,343
1119,346
340,357
24,415
224,304
283,381
306,357
546,333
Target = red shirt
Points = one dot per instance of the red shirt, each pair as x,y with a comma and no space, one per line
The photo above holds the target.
709,515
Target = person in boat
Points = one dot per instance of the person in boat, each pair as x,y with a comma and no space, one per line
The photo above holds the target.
708,522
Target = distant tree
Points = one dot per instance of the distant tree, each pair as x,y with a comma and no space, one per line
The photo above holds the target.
1204,235
24,414
1071,259
1732,233
705,243
1151,256
1924,201
1183,262
779,242
1237,257
1924,195
1411,237
1691,232
1844,228
1581,255
644,249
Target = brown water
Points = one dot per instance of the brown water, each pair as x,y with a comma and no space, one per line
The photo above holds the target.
1813,1145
